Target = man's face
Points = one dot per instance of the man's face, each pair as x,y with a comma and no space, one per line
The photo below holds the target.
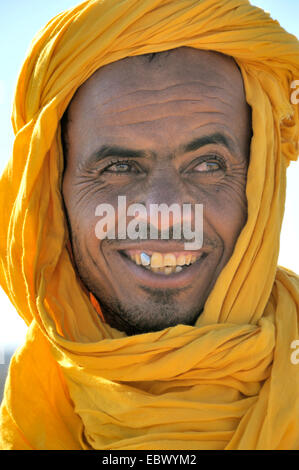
172,130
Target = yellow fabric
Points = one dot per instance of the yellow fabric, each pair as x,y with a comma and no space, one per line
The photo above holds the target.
226,383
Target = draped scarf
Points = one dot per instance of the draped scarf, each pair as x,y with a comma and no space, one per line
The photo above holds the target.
228,382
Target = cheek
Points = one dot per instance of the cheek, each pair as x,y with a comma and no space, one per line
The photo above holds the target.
231,217
225,210
80,212
91,215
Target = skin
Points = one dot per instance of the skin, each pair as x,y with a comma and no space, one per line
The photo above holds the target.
154,109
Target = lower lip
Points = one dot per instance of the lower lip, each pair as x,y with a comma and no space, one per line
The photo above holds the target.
160,280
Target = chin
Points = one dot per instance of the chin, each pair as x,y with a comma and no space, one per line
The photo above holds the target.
146,317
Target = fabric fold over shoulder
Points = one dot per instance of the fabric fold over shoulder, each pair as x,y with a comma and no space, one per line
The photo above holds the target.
77,383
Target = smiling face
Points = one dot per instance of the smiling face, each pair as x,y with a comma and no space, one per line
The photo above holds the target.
175,129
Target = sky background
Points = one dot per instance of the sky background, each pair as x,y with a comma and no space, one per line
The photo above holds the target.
20,20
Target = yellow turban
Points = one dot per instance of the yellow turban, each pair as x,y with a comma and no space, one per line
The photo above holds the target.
226,383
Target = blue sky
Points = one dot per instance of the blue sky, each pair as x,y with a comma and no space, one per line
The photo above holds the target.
20,20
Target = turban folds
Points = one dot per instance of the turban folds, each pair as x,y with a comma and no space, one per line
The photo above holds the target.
226,383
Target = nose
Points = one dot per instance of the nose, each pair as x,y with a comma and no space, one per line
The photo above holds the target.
165,187
164,198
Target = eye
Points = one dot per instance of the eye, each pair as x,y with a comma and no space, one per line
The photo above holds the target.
210,164
207,167
121,167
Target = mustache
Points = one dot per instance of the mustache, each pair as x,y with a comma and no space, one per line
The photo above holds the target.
162,223
169,234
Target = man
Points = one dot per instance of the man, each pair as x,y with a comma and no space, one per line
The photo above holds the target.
142,343
175,140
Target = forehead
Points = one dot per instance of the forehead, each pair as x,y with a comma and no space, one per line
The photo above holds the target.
176,69
176,92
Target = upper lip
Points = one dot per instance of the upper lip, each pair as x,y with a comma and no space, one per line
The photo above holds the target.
161,246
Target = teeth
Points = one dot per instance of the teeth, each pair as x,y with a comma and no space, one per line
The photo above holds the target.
166,264
157,260
181,260
155,270
169,259
187,259
145,259
169,269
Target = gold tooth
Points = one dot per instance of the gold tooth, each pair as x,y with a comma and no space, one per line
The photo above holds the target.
157,260
137,258
169,259
187,259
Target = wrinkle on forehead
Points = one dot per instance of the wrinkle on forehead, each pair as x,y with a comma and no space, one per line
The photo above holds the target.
187,98
157,117
181,64
146,93
135,78
171,96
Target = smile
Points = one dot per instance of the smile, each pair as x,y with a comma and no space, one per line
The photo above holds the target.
163,263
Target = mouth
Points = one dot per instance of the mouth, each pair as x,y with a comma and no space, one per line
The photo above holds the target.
165,264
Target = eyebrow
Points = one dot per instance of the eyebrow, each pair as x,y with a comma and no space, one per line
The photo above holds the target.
117,151
195,144
216,138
